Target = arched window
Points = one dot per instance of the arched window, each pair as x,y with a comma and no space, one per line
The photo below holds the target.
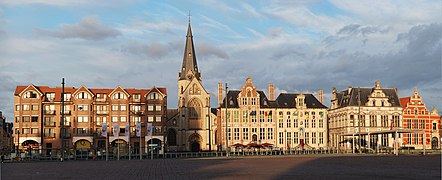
194,109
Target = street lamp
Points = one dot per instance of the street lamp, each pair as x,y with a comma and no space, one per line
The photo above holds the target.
62,120
18,142
227,140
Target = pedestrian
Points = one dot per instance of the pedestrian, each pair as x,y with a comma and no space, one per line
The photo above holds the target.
3,158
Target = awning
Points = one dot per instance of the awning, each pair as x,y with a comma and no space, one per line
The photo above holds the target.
384,132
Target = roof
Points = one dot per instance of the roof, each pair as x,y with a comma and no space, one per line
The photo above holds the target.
95,91
189,58
287,100
284,100
351,99
405,101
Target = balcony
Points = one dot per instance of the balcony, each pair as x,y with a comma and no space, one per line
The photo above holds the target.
49,112
49,135
102,112
83,133
66,135
66,123
49,99
66,112
138,113
100,99
49,123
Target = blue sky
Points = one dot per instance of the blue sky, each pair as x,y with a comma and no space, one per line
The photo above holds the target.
301,46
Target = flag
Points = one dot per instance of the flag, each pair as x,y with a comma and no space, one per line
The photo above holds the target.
116,128
138,129
104,130
149,129
127,130
391,124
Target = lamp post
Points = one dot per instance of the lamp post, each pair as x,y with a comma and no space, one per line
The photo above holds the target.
62,120
227,140
18,142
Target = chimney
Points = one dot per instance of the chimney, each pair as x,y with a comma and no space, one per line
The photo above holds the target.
271,92
220,94
320,96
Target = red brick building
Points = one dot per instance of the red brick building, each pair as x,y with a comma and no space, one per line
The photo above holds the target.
417,117
38,114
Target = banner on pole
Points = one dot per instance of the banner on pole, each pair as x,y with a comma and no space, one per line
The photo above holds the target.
149,129
127,130
138,129
104,130
116,129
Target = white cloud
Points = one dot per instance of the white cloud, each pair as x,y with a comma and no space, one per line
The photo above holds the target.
89,28
70,3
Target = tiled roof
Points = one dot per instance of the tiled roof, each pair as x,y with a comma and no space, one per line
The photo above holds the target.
346,99
284,100
404,101
287,100
57,91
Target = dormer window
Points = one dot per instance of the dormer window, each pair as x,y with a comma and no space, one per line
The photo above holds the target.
67,97
154,96
50,96
83,95
119,95
30,94
136,97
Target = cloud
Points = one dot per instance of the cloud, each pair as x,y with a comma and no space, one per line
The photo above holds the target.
152,49
89,28
68,3
207,50
355,32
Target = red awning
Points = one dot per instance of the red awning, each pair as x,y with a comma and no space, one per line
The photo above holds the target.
238,145
267,145
254,145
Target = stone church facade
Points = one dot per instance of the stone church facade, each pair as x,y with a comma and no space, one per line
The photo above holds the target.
189,126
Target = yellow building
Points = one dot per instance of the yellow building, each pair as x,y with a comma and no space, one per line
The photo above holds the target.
289,122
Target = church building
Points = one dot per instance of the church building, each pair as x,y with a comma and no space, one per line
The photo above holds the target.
189,126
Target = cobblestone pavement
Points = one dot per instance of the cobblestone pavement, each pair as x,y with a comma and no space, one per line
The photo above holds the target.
276,167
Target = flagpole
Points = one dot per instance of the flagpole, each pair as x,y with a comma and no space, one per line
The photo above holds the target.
141,153
128,136
107,144
118,143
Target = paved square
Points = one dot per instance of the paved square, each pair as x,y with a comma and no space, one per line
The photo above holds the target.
270,167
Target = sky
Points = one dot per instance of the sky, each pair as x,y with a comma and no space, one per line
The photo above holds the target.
300,46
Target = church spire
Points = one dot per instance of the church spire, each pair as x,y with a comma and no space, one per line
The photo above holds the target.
189,69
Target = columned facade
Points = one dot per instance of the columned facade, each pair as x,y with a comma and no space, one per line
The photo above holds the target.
363,110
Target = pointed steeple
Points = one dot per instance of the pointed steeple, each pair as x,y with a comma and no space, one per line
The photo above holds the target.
189,69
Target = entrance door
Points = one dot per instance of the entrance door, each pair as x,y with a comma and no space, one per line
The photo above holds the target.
254,138
434,143
195,147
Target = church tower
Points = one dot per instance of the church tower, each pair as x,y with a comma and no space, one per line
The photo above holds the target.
193,103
